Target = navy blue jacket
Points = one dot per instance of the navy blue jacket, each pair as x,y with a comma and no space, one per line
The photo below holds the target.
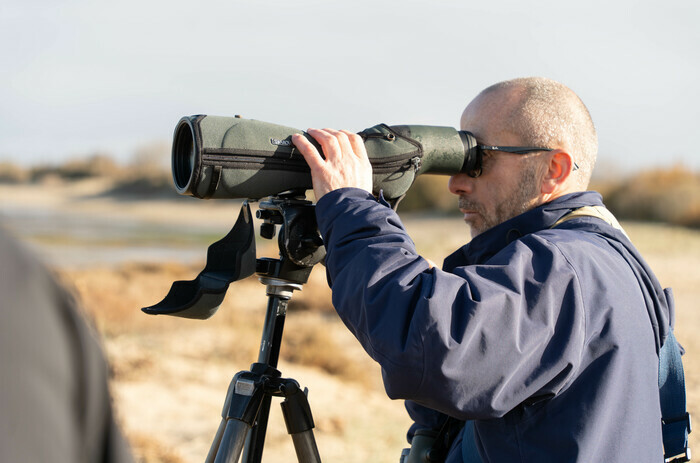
546,337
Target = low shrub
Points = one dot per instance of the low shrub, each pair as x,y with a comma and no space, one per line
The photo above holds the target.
12,173
670,195
97,165
660,195
429,193
143,185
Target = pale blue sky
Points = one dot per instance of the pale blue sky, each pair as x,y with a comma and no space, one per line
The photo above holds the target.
78,76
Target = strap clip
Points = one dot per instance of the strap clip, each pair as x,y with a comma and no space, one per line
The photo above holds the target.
681,422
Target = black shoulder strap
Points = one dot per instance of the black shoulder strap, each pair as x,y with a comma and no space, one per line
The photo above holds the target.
675,420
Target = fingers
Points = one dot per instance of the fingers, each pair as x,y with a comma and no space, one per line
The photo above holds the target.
336,143
308,150
344,162
357,144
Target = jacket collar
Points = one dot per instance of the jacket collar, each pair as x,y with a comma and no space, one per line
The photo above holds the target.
490,242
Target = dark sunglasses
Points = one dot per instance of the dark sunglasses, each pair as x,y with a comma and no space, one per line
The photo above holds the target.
476,167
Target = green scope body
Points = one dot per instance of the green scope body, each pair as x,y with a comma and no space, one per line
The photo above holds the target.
232,157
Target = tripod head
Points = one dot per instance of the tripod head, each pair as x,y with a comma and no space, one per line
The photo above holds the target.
234,257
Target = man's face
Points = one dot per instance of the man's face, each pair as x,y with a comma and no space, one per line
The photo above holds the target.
509,184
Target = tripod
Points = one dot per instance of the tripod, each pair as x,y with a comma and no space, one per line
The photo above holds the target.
247,403
246,409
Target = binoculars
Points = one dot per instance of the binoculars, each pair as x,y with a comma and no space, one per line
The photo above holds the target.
232,157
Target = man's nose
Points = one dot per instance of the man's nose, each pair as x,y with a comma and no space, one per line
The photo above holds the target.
460,184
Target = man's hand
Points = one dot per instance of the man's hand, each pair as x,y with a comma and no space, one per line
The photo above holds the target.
346,163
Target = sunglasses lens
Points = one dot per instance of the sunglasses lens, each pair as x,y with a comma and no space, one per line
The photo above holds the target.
473,162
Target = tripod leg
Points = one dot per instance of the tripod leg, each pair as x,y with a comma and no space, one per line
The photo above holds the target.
211,456
300,423
243,399
305,446
256,438
232,442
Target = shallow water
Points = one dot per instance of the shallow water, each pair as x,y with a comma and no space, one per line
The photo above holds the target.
78,240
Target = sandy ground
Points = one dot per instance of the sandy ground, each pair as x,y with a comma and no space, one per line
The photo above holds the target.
173,399
171,377
177,401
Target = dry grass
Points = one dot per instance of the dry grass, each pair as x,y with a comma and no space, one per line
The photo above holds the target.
142,348
170,375
113,296
152,451
314,341
669,196
174,354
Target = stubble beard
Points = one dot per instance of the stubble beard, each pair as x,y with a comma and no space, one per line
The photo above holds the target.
514,203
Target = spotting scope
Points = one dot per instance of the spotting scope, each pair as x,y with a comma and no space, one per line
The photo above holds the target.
234,157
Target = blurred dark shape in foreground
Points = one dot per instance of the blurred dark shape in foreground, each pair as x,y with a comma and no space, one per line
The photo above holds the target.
54,394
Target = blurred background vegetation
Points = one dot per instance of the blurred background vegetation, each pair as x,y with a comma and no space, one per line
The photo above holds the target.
663,195
160,361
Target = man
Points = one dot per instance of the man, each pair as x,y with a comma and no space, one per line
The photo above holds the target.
544,329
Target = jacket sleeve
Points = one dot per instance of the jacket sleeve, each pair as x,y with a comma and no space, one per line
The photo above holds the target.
473,343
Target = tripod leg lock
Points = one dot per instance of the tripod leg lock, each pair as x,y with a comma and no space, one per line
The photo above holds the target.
244,397
295,408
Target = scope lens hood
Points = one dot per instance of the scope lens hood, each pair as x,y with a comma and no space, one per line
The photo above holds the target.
186,164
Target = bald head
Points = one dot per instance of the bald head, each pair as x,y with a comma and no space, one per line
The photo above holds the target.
541,112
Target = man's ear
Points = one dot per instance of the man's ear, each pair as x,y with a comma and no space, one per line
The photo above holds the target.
558,170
